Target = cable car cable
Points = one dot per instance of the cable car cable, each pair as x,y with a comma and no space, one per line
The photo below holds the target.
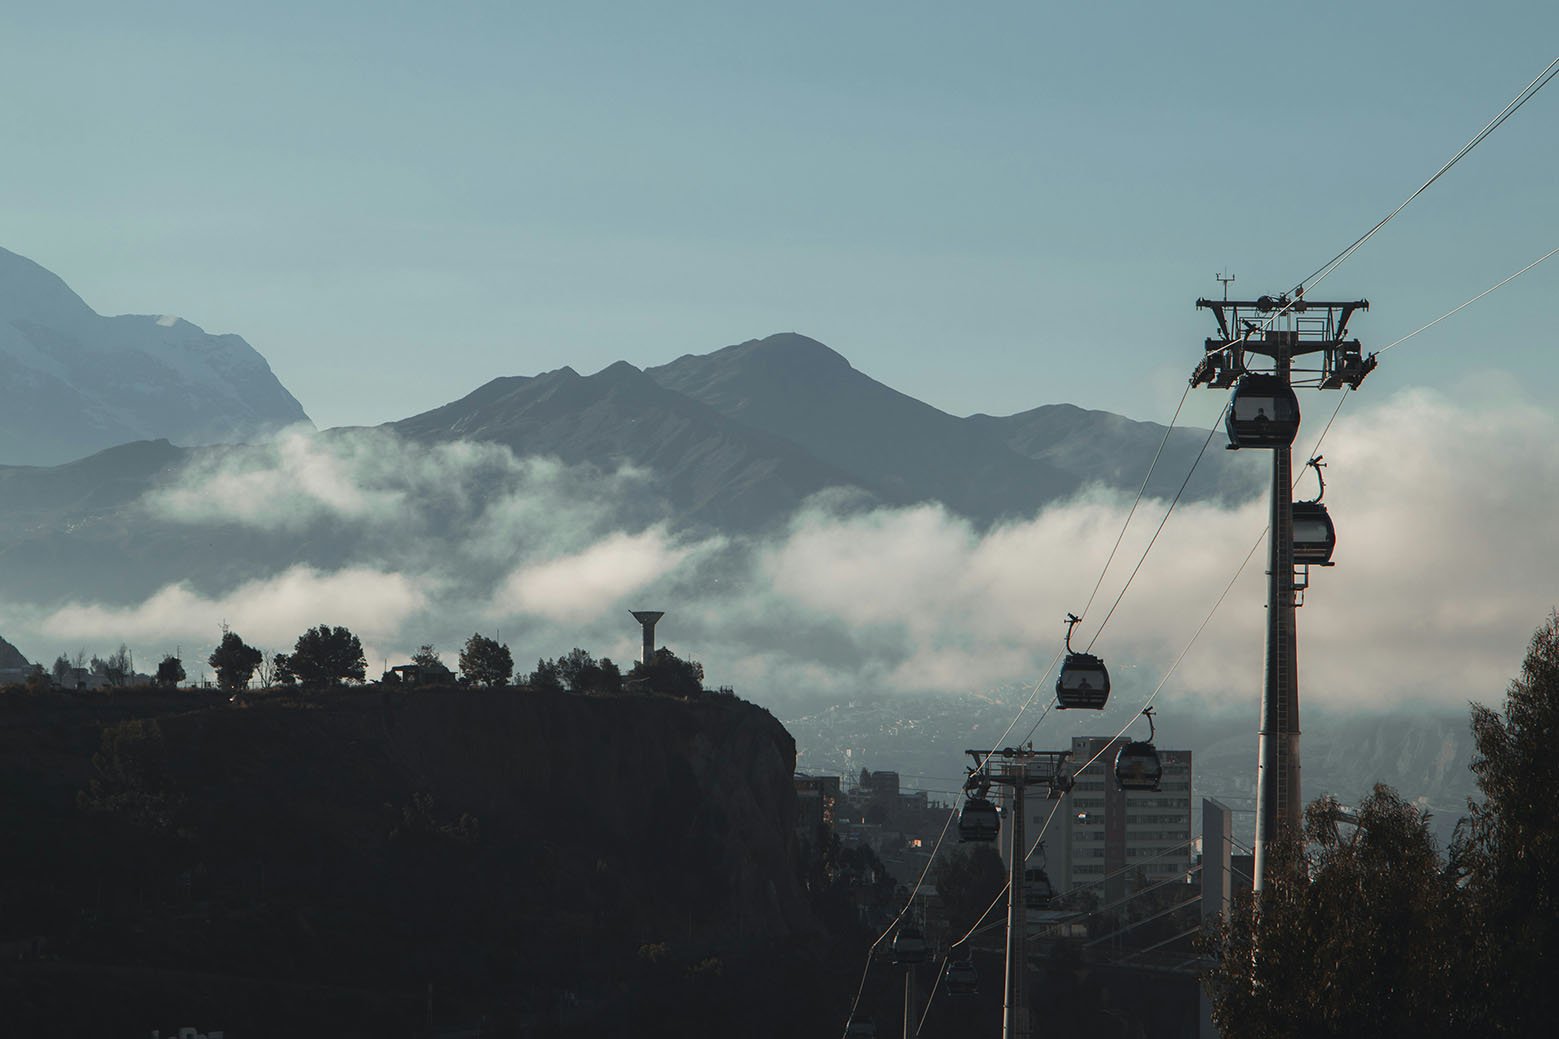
1152,541
1227,588
1321,273
1222,596
1136,501
866,971
1325,271
1470,302
931,858
1216,605
1550,72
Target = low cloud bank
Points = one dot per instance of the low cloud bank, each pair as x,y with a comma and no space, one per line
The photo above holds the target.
1446,562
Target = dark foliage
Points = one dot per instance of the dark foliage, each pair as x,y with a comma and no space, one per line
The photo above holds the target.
1510,845
1364,929
327,656
578,672
431,667
234,661
547,676
484,662
1359,932
968,882
132,781
667,674
171,671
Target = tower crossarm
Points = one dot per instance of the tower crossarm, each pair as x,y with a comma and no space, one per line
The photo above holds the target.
1280,326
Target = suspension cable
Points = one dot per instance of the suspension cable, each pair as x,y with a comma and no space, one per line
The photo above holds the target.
1321,273
1152,541
1137,500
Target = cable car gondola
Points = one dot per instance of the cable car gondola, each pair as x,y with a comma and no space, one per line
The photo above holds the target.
1136,764
1263,412
909,945
1084,682
962,978
1037,891
978,821
1314,536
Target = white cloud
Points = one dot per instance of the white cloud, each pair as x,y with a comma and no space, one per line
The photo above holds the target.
583,584
268,612
1446,562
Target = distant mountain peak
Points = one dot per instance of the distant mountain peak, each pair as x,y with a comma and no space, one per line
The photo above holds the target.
792,349
29,291
73,381
619,372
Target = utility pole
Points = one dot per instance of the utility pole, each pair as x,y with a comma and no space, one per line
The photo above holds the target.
1020,768
1283,329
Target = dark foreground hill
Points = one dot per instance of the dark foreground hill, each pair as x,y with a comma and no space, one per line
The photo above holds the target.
403,863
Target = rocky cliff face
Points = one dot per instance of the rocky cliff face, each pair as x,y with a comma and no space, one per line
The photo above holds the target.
540,859
687,806
73,381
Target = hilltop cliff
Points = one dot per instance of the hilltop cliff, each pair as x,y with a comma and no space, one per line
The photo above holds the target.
541,860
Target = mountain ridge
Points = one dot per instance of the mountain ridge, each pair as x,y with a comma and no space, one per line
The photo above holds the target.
73,381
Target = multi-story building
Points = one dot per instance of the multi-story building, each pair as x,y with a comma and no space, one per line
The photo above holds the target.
1106,839
816,797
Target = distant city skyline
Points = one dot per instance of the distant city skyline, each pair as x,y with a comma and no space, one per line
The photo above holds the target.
988,211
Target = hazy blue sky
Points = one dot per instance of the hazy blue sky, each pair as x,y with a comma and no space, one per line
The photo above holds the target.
988,206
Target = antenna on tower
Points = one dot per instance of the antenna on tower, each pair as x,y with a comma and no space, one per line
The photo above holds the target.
1225,283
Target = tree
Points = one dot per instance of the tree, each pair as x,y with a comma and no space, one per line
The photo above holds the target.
968,882
281,670
611,680
266,671
431,667
1359,931
669,674
234,661
62,671
582,673
484,662
122,661
1509,845
577,669
327,656
171,671
546,676
132,776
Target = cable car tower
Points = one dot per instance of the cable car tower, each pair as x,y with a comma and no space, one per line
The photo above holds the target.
1018,768
1264,413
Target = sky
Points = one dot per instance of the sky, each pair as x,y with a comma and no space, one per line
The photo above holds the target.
988,207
